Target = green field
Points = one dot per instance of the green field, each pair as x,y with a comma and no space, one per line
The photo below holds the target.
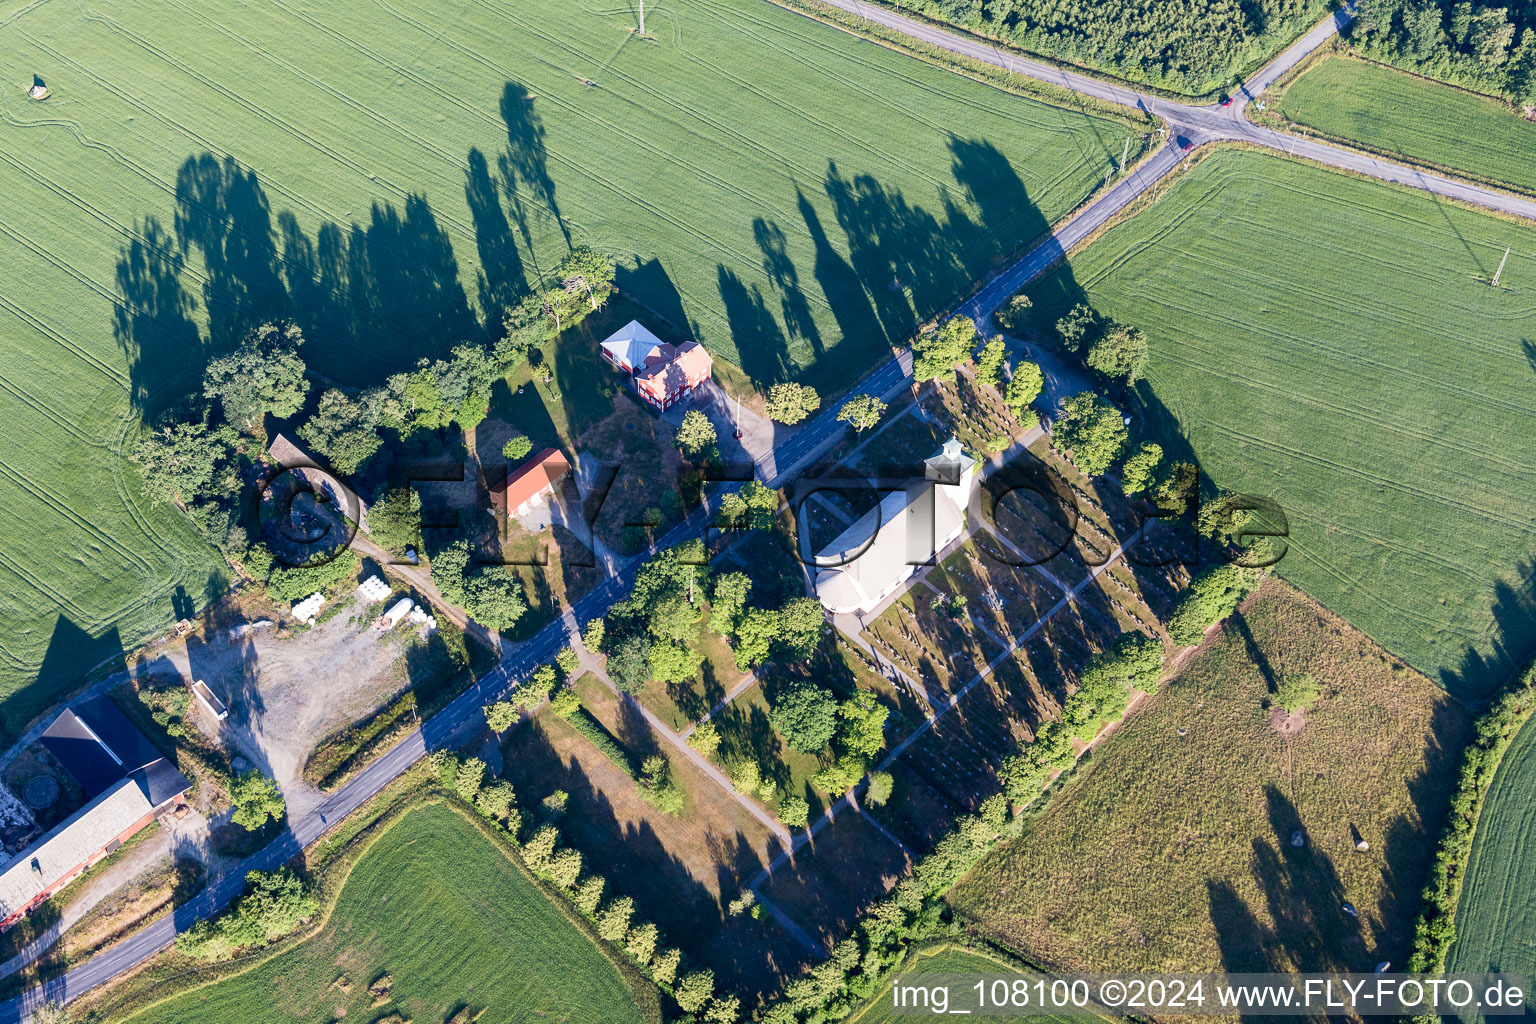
1170,850
953,960
451,920
386,175
1496,918
1425,121
1331,343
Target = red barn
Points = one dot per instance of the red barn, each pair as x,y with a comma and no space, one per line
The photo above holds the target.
530,483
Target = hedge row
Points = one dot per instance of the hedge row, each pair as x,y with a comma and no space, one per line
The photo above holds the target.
1496,728
583,722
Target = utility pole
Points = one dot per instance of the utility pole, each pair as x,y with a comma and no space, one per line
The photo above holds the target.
1501,267
1125,151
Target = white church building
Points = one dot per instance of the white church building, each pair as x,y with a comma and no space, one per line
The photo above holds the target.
879,552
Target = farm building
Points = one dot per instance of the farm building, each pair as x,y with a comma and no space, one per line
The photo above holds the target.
318,479
632,348
127,782
662,374
874,556
530,483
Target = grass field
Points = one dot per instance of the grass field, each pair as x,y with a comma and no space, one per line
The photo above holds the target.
1496,918
385,176
1354,367
948,959
1173,852
1425,121
439,909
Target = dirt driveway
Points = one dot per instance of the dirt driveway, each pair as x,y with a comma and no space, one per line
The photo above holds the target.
286,692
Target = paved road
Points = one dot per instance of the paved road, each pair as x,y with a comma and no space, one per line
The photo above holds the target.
1197,124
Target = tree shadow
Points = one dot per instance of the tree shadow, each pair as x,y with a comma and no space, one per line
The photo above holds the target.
795,310
370,298
71,656
526,161
1511,645
754,329
1309,926
501,279
153,320
645,281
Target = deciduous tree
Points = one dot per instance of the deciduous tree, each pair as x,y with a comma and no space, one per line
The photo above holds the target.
1093,430
791,402
257,800
861,412
805,715
696,435
264,375
343,430
1140,468
989,364
937,353
1023,387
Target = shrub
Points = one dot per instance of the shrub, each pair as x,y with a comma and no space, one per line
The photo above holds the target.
168,704
794,812
1295,692
1209,598
583,722
879,790
517,448
593,634
275,904
742,904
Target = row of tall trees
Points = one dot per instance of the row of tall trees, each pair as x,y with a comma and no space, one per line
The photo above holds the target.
613,917
1185,46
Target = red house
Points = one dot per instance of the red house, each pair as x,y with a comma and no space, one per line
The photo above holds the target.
663,374
530,483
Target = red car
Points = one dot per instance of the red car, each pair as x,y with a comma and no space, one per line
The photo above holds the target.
1184,143
1226,101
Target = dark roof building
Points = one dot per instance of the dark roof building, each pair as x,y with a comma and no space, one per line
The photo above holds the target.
99,747
127,782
